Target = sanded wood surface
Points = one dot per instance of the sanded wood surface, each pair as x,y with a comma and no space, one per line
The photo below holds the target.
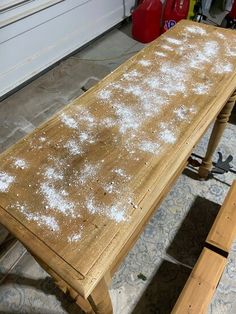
80,185
223,231
200,287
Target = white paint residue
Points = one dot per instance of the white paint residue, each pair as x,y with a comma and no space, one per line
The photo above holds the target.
69,121
75,237
56,199
73,147
144,62
52,174
5,181
20,163
150,147
201,89
105,94
195,30
166,47
47,221
160,54
173,41
222,67
168,136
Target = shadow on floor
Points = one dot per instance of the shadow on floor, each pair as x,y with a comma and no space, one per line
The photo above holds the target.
190,238
164,289
162,292
48,287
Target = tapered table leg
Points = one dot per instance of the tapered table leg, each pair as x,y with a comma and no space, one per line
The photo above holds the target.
100,299
215,137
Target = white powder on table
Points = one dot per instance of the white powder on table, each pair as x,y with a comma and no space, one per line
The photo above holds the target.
73,147
160,54
115,212
173,41
150,147
223,67
42,220
42,139
74,237
52,174
121,173
181,112
168,136
20,163
69,121
56,199
128,118
166,47
131,75
5,181
144,62
87,172
195,30
201,89
104,94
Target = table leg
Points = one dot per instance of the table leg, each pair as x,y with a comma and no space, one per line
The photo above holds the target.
100,299
215,137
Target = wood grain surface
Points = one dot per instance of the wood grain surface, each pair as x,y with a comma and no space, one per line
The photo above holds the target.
223,231
76,189
201,285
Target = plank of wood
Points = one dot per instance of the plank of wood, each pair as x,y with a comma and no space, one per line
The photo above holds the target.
223,231
94,172
200,287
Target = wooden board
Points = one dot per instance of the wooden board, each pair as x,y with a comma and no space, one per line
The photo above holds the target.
223,231
200,287
80,185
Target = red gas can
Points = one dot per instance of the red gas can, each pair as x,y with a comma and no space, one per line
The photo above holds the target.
146,21
175,10
232,13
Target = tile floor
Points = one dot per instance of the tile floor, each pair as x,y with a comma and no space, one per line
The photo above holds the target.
171,242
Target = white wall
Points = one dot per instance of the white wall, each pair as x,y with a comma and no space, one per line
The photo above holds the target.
32,43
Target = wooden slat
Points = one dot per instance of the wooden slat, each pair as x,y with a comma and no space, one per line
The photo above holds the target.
201,285
223,230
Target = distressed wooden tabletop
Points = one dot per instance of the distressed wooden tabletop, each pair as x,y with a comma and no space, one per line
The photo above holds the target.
75,189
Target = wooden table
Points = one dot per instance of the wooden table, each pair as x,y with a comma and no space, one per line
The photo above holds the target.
78,191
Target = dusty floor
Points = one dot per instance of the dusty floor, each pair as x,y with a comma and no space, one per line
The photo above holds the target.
171,242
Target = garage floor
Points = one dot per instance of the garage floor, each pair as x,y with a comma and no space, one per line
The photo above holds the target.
172,241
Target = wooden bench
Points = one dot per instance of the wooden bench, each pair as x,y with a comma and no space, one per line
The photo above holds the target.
200,287
223,231
78,191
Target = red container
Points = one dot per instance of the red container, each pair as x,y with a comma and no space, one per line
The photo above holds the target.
232,13
175,10
146,21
